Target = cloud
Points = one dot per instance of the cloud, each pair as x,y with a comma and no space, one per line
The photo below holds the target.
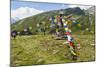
24,12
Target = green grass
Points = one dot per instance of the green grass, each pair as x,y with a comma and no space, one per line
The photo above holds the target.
44,49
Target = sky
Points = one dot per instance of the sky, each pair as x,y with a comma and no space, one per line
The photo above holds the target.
23,9
37,5
86,2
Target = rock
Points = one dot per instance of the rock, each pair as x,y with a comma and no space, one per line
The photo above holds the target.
92,44
66,56
78,46
17,62
87,29
55,51
65,42
82,32
14,46
86,40
58,38
40,60
92,32
44,49
93,40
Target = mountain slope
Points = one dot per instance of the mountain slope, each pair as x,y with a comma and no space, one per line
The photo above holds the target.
43,17
90,10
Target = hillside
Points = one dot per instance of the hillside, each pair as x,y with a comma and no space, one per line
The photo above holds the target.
43,17
46,49
91,10
30,21
43,49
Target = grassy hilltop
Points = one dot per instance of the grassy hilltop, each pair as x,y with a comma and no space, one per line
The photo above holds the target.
44,49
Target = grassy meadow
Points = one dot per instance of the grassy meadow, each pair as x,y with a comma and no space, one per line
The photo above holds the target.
44,49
